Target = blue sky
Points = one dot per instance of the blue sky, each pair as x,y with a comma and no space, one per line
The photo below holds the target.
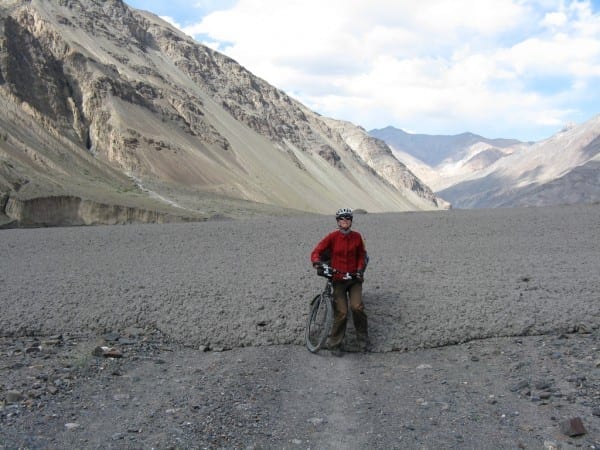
499,68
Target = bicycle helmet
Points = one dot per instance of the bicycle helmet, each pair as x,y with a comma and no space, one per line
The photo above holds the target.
343,212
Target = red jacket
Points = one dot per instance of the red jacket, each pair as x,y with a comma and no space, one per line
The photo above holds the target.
347,251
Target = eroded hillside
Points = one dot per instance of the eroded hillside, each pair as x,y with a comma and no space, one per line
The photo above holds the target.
112,105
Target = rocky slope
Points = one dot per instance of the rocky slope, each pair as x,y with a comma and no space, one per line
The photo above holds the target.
114,106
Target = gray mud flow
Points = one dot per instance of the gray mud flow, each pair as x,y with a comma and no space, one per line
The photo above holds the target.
485,325
434,279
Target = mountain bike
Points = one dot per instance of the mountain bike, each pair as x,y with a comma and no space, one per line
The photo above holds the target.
320,316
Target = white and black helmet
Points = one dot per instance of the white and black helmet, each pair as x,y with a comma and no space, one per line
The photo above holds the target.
344,212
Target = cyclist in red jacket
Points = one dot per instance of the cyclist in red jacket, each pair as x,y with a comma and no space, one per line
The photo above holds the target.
347,253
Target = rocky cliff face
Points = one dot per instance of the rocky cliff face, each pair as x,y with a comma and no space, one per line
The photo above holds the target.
111,105
73,211
379,157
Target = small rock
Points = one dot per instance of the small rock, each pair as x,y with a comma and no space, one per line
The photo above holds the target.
52,389
519,386
34,349
542,385
572,427
596,412
113,353
111,337
34,393
54,340
423,366
517,366
14,397
71,426
525,392
316,421
107,352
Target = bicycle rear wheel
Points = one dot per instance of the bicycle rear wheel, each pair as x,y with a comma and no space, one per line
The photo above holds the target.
318,324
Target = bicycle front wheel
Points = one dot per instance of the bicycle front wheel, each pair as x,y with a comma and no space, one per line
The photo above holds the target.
318,324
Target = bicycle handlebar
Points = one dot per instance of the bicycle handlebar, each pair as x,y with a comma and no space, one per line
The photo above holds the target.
329,271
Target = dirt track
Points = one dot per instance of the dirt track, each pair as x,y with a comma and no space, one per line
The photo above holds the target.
517,289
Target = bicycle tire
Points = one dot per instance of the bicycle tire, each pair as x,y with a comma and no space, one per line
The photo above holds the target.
319,322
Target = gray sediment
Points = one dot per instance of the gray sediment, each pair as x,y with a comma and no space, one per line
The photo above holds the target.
434,279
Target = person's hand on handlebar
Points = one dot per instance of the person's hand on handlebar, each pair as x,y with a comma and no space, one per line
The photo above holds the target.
320,268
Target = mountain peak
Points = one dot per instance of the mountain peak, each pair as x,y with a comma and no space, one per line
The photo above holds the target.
502,172
114,106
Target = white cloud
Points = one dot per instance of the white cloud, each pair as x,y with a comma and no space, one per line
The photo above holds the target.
555,19
171,20
432,66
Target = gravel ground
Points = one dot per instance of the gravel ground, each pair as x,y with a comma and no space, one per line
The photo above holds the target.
485,327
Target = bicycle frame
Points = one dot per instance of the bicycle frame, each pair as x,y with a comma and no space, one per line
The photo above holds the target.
318,322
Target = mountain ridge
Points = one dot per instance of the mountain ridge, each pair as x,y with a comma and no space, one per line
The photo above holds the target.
122,108
558,170
433,149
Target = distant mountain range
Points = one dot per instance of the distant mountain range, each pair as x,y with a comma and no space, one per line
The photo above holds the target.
433,149
474,172
111,115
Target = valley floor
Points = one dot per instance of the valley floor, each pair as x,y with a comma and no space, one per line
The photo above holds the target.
485,328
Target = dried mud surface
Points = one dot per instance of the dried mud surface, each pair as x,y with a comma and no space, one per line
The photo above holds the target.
485,327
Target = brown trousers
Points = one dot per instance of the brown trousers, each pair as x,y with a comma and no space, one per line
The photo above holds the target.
344,292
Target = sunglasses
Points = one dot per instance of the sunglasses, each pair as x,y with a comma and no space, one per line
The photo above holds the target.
345,218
